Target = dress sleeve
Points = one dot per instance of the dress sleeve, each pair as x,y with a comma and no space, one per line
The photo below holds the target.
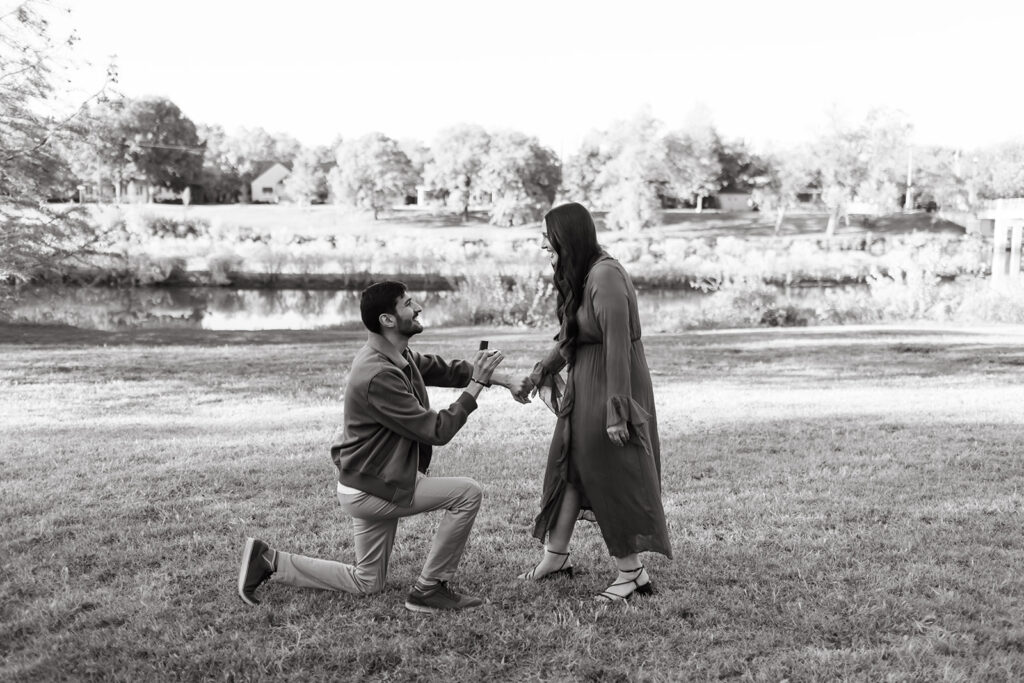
610,298
550,385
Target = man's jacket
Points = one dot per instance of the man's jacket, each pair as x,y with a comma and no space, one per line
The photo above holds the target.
389,429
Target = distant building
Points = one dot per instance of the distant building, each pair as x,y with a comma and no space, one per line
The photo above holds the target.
810,196
734,201
268,185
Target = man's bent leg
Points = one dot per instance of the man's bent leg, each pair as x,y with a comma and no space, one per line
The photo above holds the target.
375,522
461,501
459,497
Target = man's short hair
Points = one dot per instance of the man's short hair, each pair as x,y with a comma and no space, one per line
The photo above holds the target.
379,298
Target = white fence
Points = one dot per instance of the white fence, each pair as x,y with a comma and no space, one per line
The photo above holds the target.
1006,219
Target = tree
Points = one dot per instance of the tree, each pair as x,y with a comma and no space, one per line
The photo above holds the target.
249,146
742,170
693,165
286,148
307,181
522,177
459,154
862,161
693,158
1005,171
785,176
99,155
372,171
582,170
947,177
419,154
634,176
219,176
36,237
162,143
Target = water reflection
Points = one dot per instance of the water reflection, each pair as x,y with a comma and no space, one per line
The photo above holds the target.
201,307
226,309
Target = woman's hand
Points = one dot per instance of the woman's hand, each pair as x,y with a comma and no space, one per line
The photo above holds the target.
485,363
521,389
619,433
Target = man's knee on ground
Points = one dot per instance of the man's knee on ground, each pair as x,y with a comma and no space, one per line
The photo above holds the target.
369,585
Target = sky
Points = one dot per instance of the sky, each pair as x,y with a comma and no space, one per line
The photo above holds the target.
767,71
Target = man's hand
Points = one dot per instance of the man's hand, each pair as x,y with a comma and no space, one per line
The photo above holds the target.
484,364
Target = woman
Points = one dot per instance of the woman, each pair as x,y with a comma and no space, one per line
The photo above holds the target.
605,455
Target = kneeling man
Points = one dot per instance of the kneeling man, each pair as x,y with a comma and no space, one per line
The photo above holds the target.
382,458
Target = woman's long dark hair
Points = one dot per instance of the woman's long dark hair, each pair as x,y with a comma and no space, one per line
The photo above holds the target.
573,236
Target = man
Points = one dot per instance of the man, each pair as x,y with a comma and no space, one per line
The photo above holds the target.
382,457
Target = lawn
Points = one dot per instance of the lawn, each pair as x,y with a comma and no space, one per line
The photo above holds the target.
405,221
843,503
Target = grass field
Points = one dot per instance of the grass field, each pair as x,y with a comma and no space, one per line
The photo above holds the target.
843,503
410,220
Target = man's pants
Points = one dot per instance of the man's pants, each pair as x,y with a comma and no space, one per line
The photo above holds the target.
375,521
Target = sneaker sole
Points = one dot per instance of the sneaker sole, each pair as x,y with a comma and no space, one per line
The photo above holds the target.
425,609
246,556
422,609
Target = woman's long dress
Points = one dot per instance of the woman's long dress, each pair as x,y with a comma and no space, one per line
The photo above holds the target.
609,382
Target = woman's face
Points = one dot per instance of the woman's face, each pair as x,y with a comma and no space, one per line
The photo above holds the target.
545,244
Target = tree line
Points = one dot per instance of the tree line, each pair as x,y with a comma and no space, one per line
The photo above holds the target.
632,169
151,141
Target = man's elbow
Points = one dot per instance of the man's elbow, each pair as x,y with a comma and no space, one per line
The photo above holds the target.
442,439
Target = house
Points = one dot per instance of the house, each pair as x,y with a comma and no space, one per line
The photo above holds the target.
268,185
734,201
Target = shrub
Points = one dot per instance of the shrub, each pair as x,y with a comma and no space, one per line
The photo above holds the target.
222,264
166,227
503,300
150,270
746,303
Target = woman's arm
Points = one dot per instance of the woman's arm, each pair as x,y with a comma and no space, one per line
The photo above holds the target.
546,381
610,298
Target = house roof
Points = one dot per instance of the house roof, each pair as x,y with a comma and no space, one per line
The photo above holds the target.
261,167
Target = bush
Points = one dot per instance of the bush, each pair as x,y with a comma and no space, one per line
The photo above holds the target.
151,270
222,264
165,227
503,300
748,303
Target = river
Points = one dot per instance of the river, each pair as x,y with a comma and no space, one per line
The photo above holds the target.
213,308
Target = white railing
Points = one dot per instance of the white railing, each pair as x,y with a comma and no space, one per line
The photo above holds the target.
1007,225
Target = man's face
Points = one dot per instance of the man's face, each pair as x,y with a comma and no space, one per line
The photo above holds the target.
407,313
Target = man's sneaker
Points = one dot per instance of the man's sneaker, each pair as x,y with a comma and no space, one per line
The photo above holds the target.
254,570
437,598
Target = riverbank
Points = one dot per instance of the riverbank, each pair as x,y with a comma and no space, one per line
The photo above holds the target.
202,266
320,248
497,302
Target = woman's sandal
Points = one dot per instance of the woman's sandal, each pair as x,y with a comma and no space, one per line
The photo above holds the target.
562,570
638,589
